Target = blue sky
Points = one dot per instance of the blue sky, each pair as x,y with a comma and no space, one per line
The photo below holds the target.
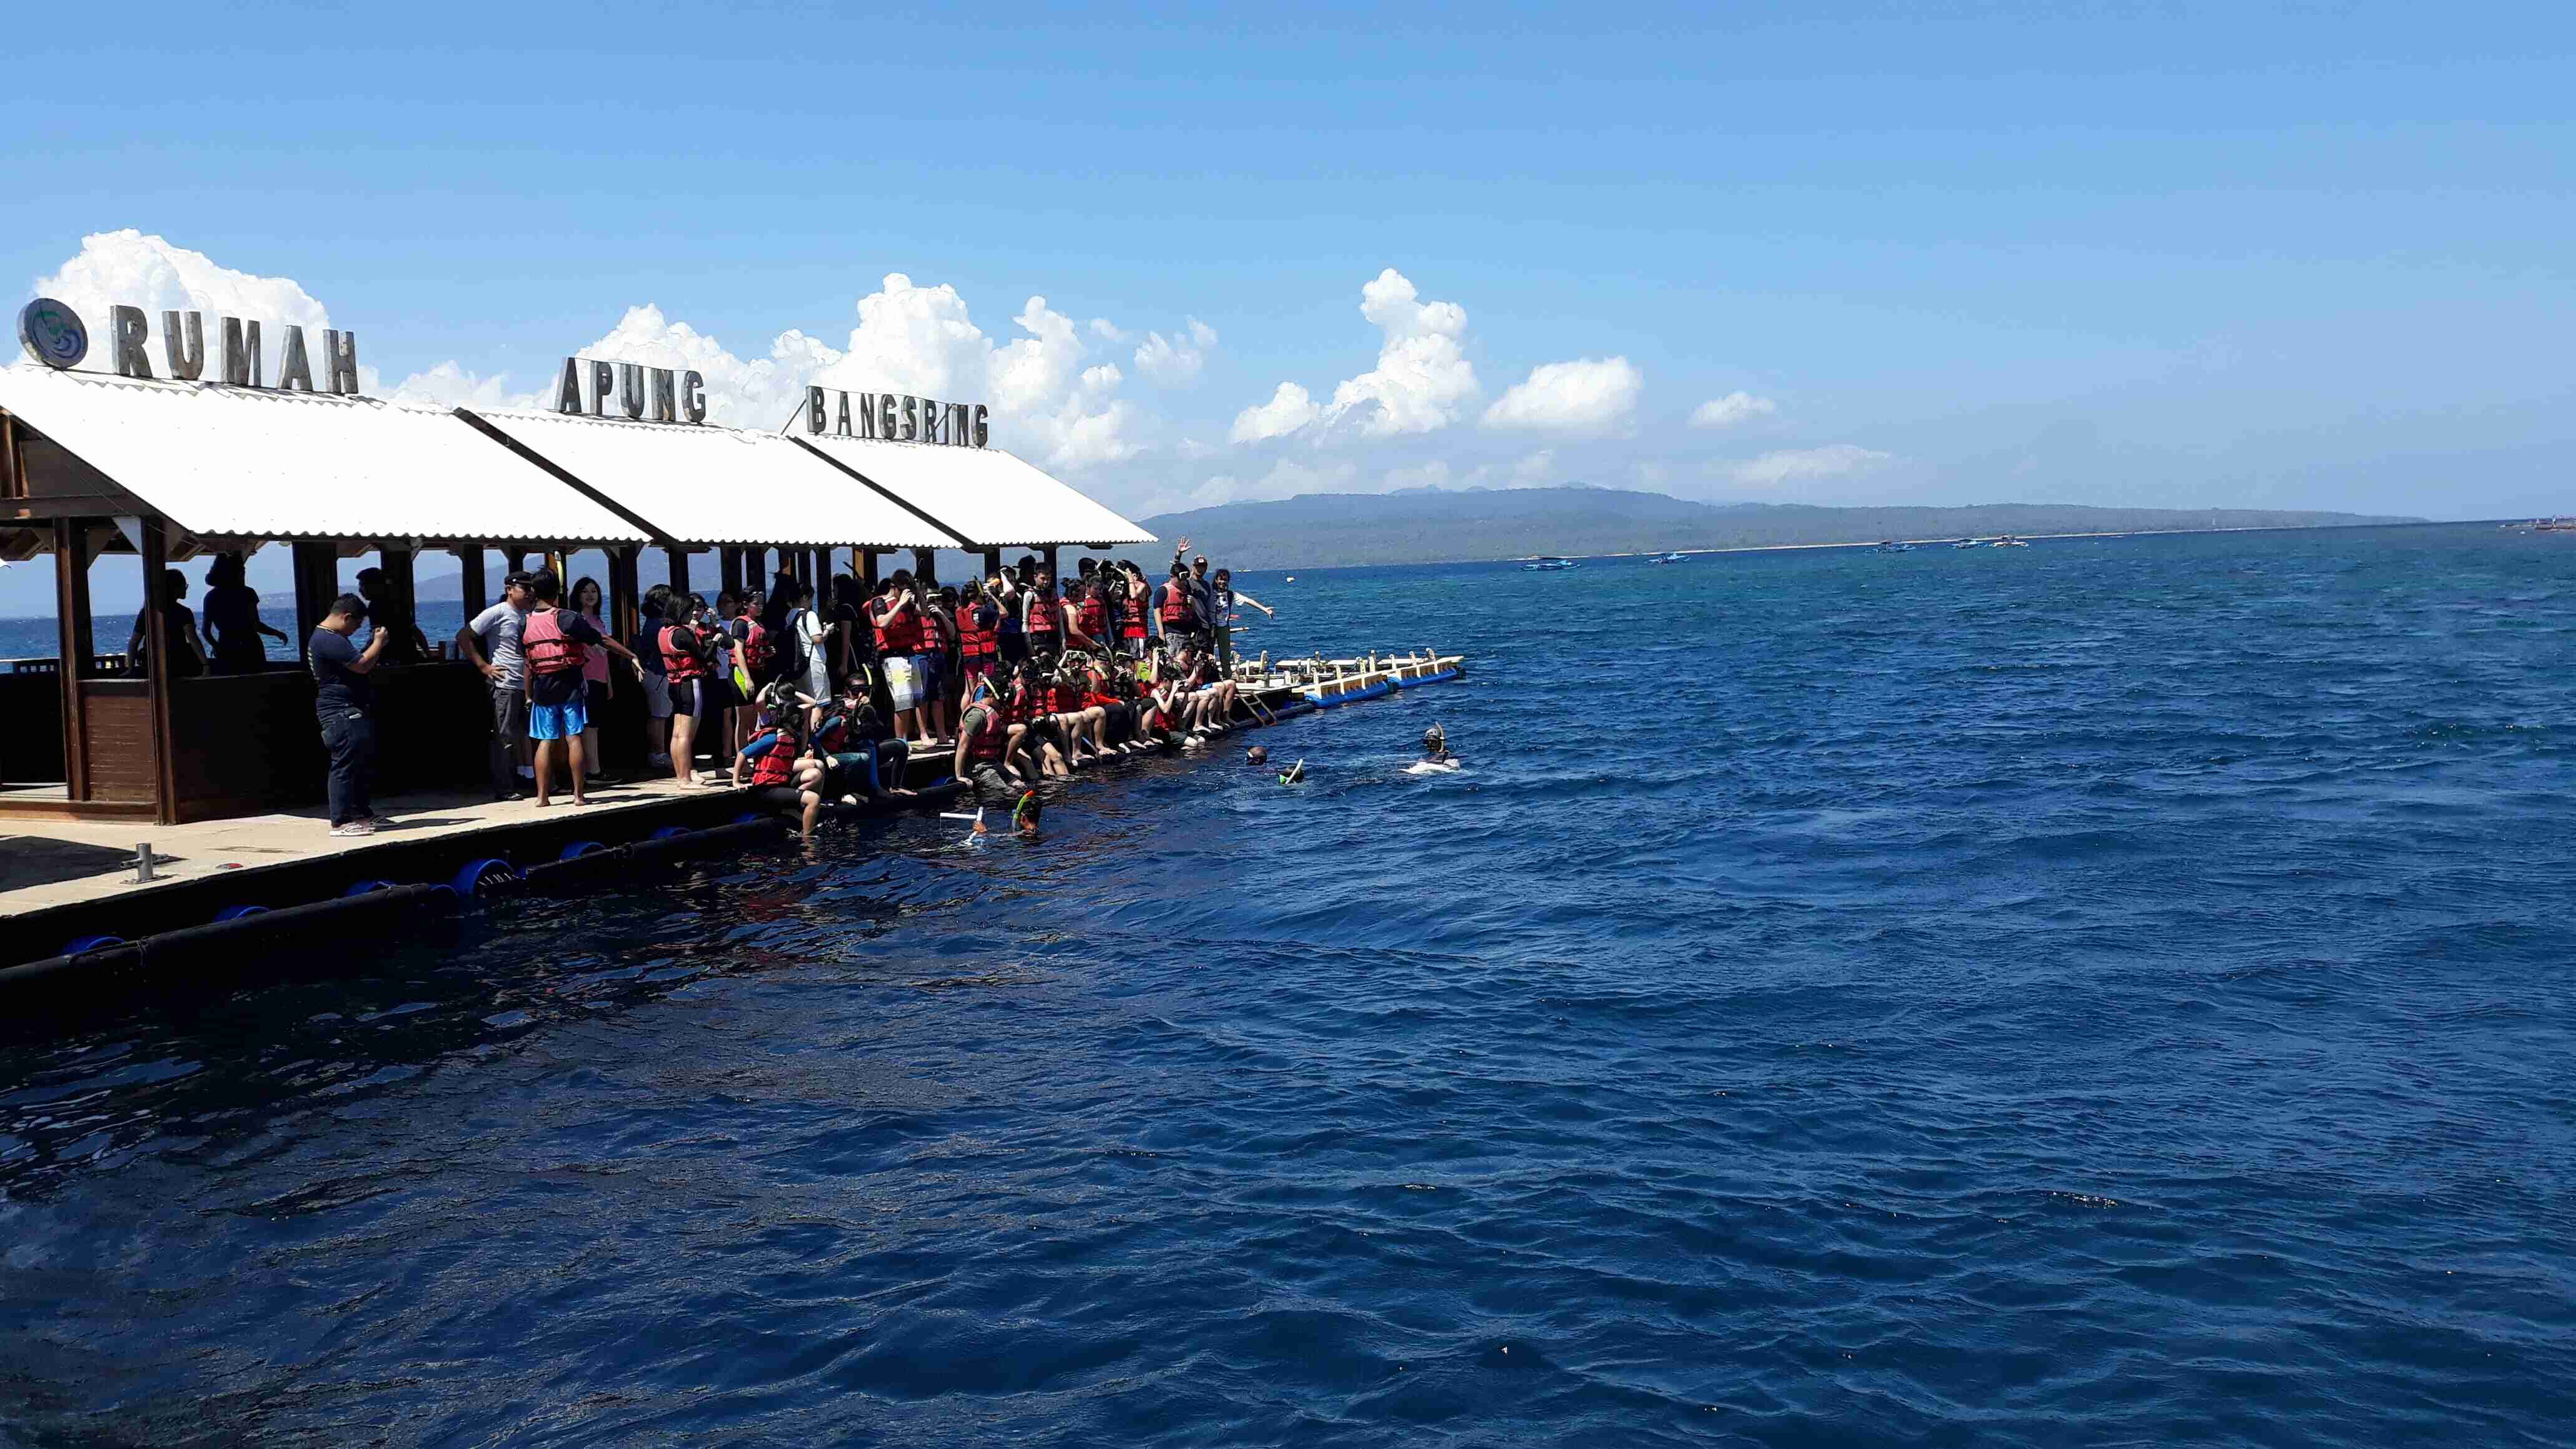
2296,255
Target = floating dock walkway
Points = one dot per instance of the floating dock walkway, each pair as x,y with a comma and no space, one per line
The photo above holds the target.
89,923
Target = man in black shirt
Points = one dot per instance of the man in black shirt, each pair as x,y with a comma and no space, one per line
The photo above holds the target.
344,702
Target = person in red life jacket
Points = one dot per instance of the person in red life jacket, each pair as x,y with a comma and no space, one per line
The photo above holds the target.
861,762
750,644
930,666
555,644
1176,609
1086,624
1136,613
687,662
987,739
1032,706
979,638
895,615
785,774
1075,714
1205,703
1042,617
1110,587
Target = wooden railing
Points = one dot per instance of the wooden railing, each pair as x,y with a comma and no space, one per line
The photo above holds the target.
99,665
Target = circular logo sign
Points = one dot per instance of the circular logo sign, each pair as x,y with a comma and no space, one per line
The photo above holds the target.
52,333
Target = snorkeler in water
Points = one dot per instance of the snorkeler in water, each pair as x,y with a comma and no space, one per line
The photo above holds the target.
1294,775
1435,746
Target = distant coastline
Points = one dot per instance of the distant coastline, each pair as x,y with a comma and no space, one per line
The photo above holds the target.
1430,526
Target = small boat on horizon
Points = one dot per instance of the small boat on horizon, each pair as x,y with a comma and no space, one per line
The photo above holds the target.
1892,546
1550,564
1663,558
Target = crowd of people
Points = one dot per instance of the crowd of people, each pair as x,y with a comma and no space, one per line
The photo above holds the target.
815,698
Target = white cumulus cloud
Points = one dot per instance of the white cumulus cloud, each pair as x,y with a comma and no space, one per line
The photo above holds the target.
132,268
1421,383
451,385
148,272
1587,395
1790,465
923,340
1288,410
1175,361
758,393
1734,408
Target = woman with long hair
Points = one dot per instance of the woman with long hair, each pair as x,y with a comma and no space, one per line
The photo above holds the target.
686,665
598,686
232,622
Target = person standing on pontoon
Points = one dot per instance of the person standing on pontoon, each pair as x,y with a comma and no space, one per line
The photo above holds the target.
1221,600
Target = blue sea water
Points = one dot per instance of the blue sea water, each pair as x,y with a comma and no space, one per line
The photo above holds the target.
2114,992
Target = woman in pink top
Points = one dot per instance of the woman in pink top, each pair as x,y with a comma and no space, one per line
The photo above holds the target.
597,684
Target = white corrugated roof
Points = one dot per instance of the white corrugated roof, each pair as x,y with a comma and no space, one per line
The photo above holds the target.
711,485
227,460
991,498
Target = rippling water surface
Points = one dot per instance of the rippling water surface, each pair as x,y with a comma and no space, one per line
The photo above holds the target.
2110,992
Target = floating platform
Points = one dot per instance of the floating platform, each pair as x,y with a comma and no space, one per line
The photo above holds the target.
77,908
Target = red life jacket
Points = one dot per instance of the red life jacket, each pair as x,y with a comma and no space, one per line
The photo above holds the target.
1178,611
1131,624
755,651
900,632
976,640
1045,614
545,646
1093,615
679,661
778,766
1064,699
995,735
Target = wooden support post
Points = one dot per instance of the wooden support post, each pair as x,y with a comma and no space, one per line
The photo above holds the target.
1050,564
317,583
400,571
71,613
925,566
156,672
868,567
13,477
679,570
625,599
729,562
992,562
471,589
517,554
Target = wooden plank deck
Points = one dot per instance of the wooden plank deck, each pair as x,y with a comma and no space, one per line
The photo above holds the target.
248,844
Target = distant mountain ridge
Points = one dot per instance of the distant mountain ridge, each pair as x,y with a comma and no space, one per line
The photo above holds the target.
1429,525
